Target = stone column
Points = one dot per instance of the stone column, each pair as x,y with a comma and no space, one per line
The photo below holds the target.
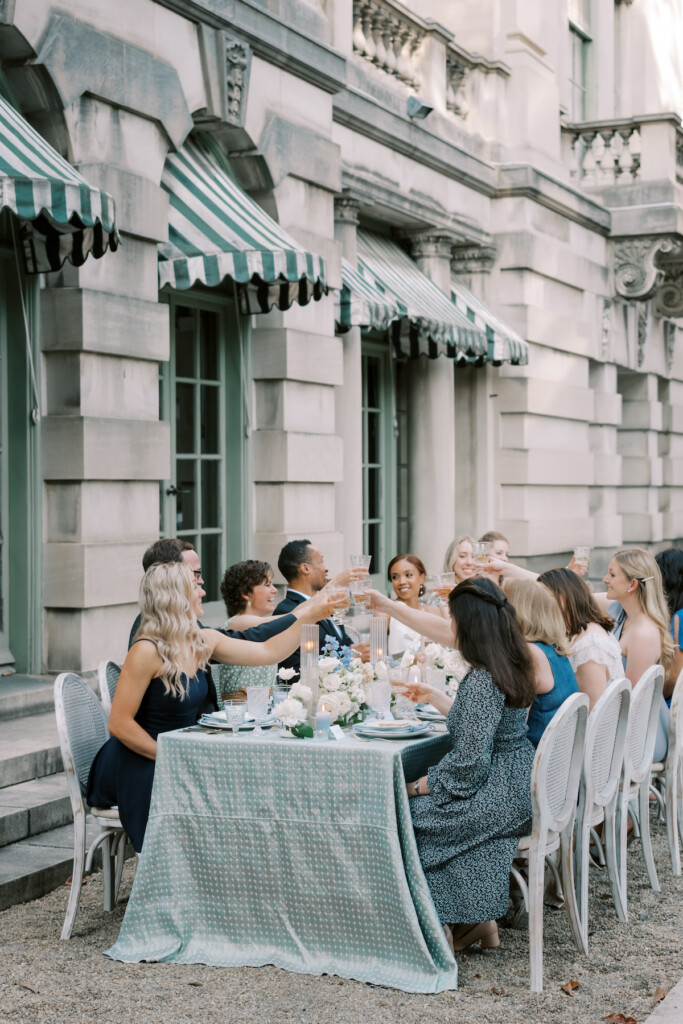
104,449
607,525
432,446
642,466
349,402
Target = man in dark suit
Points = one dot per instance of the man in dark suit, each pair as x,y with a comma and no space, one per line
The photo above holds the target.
304,569
173,549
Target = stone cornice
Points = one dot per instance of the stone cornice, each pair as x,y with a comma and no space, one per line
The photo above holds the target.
270,38
346,210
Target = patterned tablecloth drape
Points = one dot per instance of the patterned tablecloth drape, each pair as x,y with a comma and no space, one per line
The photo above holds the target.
272,850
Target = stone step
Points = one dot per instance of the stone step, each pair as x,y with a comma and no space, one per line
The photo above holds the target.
36,866
29,749
25,695
29,808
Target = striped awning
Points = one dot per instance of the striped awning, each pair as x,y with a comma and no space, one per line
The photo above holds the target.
217,232
431,324
505,345
60,215
363,302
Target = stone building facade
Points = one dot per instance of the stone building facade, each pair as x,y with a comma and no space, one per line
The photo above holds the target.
527,150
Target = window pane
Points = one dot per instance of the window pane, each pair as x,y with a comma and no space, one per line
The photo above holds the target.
211,495
374,437
374,547
208,345
402,492
374,501
186,501
211,565
210,419
372,370
184,342
184,423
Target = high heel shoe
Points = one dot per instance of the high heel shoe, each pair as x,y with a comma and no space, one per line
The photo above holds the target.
486,933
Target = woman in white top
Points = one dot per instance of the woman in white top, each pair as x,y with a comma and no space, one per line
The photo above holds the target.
595,655
407,574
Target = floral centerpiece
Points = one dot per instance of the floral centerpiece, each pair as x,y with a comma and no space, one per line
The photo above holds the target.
343,680
292,712
441,658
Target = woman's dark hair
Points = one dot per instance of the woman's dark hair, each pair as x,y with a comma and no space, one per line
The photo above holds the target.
577,604
414,560
670,564
489,637
240,579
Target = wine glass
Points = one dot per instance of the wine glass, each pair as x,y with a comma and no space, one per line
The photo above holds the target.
340,599
234,714
443,584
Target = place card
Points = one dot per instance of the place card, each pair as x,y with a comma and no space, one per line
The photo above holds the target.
336,732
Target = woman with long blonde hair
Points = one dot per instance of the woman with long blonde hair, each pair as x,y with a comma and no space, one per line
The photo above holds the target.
163,684
459,558
543,627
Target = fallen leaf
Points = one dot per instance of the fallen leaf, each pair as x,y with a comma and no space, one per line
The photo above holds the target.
195,984
383,1002
477,975
28,987
620,1018
659,994
498,991
569,987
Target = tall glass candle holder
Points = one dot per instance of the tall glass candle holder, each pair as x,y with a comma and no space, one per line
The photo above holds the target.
378,638
309,653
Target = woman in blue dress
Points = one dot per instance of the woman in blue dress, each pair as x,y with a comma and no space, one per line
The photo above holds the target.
163,685
541,622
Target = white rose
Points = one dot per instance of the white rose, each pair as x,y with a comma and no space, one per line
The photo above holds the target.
407,659
331,703
326,665
368,672
381,670
290,712
286,674
301,692
331,682
344,703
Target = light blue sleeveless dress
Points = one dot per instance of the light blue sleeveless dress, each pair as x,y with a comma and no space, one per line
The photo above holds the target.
546,704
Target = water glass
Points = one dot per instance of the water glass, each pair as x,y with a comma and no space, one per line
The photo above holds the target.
234,714
257,702
481,551
359,593
340,599
361,561
380,697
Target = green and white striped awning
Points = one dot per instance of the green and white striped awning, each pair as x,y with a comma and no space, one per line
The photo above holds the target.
505,345
217,232
363,302
60,215
430,324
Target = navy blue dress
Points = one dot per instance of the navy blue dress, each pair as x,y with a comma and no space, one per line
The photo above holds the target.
546,704
121,778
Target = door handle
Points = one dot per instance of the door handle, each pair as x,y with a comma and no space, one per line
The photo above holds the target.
175,491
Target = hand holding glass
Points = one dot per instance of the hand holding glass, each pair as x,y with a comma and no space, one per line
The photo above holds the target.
340,600
481,551
443,584
360,593
581,555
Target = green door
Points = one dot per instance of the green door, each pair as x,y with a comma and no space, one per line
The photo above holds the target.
202,398
379,458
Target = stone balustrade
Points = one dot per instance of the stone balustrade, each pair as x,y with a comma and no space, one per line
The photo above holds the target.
624,151
389,36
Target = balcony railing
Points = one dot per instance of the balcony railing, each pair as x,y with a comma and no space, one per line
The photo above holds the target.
624,151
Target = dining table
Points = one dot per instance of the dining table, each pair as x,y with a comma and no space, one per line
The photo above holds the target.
263,848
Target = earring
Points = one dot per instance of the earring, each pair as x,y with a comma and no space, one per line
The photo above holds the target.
422,590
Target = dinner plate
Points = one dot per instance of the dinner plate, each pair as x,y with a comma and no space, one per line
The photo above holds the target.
428,713
217,720
377,733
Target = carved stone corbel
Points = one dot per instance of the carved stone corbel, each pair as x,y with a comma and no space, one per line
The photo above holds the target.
346,210
472,259
635,272
226,63
430,244
606,330
669,328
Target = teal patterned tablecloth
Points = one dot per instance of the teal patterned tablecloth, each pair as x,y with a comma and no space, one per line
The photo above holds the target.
272,850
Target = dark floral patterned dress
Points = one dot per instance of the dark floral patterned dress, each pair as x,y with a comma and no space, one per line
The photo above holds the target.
478,807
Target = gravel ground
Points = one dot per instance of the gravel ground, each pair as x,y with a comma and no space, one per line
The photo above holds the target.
46,981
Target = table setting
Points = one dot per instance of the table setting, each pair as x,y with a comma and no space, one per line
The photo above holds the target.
292,844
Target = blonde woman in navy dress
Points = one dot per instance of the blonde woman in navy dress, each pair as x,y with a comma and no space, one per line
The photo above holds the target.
163,685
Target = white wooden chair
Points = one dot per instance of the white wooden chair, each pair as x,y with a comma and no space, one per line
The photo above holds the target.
554,787
635,781
668,777
108,676
82,730
599,791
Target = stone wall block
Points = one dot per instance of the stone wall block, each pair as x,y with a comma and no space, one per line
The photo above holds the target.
607,469
544,468
642,415
131,272
607,531
291,148
96,385
99,512
78,640
545,536
89,575
545,398
281,352
294,405
641,471
75,448
141,205
331,544
286,456
77,319
607,408
294,508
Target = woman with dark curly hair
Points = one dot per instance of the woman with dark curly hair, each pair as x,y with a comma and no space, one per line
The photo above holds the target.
407,574
249,594
670,564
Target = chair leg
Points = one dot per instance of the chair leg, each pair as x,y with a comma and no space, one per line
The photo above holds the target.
107,872
616,815
567,865
556,875
76,874
598,847
646,843
521,882
672,823
536,886
120,858
581,868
